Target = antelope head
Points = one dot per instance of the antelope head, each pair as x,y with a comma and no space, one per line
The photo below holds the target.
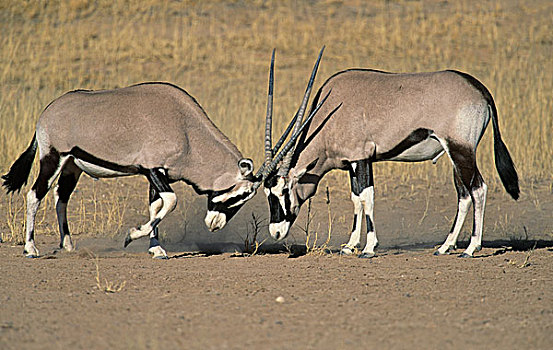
279,180
223,205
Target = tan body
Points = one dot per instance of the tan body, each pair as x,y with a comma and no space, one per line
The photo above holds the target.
393,117
153,129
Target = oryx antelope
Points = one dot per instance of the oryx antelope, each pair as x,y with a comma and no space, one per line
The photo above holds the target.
152,129
391,117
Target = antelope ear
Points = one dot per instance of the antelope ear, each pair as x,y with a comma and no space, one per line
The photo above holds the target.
309,167
246,166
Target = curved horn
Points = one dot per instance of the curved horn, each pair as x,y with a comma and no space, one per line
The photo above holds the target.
291,143
285,167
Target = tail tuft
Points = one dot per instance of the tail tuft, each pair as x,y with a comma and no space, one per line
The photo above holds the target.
506,169
19,172
503,161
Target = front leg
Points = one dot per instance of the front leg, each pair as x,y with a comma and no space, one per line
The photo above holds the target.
366,181
355,236
156,203
162,201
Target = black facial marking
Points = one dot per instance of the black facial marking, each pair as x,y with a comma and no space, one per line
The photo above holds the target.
223,207
414,138
89,158
277,213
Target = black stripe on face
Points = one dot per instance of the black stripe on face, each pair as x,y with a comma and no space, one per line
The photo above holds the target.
89,158
414,138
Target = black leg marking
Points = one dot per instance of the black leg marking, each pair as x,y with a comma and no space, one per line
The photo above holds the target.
159,180
49,164
370,226
354,222
66,185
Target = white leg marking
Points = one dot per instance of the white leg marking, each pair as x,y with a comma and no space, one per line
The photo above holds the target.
355,236
451,240
169,202
32,207
367,198
479,197
157,252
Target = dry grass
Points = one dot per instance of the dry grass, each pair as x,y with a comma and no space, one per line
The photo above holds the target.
219,52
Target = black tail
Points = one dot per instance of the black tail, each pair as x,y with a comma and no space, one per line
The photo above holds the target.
503,162
19,171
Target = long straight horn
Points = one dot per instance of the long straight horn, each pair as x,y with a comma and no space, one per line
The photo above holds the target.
268,121
285,167
269,117
291,143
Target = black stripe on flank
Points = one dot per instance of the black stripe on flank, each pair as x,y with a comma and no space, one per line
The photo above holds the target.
414,138
89,158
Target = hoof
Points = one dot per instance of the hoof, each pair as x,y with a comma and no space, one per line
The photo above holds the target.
31,256
465,255
367,255
437,253
346,251
128,240
160,257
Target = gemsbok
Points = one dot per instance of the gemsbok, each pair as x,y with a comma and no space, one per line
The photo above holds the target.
152,129
390,117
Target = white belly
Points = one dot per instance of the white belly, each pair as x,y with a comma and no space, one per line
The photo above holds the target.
97,171
426,150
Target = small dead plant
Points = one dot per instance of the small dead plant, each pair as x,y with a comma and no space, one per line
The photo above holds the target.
107,286
251,245
313,248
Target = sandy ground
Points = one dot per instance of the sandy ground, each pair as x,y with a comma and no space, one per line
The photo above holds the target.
211,296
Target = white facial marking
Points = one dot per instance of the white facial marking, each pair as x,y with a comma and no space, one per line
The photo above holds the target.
226,196
279,230
215,220
242,201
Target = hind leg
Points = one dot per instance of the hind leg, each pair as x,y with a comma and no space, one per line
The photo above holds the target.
50,167
66,185
463,206
464,161
156,203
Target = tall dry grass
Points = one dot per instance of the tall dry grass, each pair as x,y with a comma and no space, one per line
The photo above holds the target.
219,52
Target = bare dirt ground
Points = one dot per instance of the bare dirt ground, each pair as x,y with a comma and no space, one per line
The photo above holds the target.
210,296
